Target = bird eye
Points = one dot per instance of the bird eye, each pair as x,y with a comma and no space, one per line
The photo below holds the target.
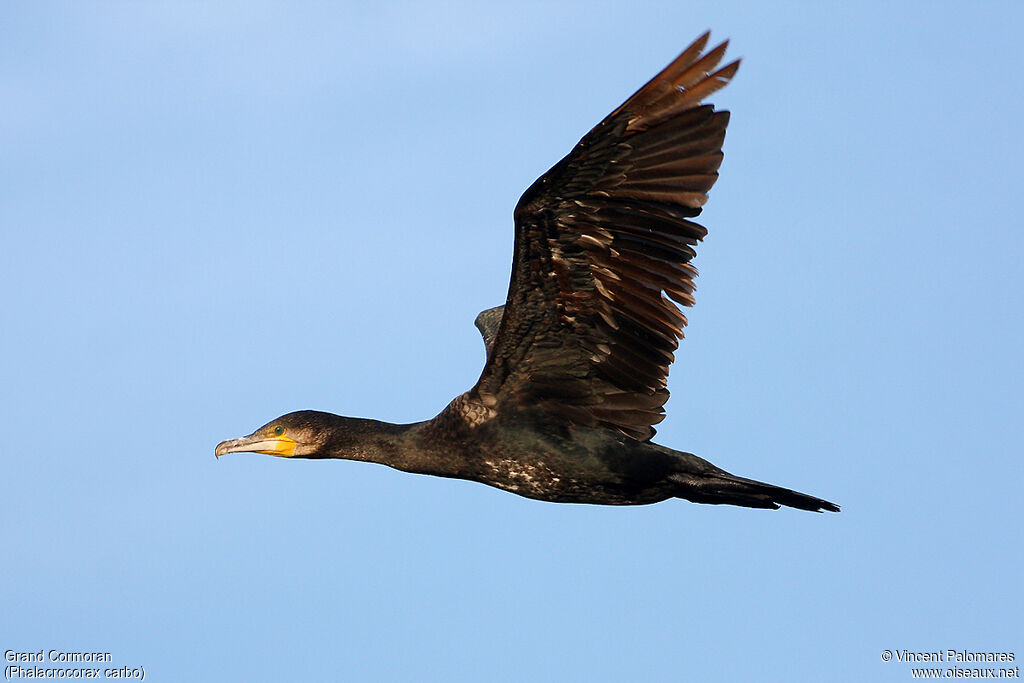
278,430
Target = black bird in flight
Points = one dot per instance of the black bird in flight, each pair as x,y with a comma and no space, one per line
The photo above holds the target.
578,357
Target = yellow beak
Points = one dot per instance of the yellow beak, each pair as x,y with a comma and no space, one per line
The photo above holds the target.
282,446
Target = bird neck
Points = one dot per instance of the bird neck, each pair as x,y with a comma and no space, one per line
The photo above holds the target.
365,440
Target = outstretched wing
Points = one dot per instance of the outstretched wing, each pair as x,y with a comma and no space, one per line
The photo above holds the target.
602,250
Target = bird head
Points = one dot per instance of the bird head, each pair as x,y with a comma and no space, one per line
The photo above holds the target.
299,434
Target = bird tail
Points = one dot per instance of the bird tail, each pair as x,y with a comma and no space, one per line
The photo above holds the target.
721,488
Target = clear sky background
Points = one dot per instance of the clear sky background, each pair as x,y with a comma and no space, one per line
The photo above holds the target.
215,213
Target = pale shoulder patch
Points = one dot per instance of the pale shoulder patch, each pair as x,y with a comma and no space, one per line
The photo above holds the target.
475,411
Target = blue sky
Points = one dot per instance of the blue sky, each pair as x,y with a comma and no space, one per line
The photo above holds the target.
217,213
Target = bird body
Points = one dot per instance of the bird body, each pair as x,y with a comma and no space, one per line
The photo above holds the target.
578,357
527,453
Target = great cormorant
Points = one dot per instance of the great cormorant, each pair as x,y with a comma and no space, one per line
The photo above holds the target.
578,357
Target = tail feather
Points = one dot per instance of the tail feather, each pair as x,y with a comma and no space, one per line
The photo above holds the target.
722,488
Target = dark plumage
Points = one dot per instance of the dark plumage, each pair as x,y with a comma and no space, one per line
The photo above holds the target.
578,357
